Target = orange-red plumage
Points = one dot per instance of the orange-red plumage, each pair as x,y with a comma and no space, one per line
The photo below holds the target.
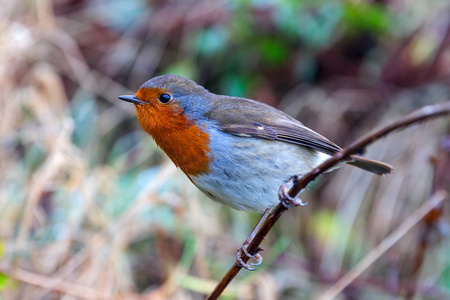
182,140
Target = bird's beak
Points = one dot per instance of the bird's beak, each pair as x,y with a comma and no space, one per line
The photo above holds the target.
132,99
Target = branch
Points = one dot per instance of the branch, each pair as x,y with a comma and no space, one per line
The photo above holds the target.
295,185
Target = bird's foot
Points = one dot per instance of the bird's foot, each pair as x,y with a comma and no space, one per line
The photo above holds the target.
286,199
243,251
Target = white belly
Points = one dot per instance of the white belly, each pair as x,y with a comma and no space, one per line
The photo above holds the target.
249,177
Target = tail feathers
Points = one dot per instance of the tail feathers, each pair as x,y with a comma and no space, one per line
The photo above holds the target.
373,166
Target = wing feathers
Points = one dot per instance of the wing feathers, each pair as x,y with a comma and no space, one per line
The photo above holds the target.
298,135
256,119
260,120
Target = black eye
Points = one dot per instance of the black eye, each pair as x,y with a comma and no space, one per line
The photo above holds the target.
164,98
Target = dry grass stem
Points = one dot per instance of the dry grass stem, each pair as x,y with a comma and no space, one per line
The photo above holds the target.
435,200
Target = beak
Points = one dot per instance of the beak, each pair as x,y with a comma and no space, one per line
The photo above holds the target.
132,99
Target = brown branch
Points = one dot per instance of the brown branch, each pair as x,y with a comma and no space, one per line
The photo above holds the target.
295,185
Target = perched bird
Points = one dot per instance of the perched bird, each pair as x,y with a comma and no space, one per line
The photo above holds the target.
237,151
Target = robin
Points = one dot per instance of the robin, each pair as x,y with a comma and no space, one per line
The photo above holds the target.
237,151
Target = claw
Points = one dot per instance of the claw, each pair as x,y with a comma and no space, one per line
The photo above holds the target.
244,251
259,258
287,200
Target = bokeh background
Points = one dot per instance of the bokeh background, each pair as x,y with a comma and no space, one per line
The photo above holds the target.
90,208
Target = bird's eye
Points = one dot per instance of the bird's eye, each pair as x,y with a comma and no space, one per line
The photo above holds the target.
164,98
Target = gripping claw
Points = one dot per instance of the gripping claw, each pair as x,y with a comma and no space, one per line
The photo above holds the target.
287,200
243,250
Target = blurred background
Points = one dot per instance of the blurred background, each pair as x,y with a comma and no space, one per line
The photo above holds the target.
90,208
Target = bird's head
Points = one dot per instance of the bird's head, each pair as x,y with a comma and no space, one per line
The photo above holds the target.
168,101
172,109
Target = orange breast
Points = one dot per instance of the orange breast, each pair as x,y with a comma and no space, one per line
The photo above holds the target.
182,140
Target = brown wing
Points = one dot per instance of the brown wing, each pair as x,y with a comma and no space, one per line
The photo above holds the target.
250,118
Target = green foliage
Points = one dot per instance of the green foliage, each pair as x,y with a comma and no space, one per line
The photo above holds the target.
327,226
314,23
236,84
4,279
274,51
445,278
185,68
210,41
366,16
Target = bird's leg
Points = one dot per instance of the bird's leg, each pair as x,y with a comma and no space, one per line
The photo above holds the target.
285,198
243,250
287,201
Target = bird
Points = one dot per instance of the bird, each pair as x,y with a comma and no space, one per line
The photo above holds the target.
237,151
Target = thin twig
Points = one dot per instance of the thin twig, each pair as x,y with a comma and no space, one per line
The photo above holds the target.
296,185
385,245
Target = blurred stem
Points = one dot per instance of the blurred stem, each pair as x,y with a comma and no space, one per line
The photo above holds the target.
385,245
430,224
